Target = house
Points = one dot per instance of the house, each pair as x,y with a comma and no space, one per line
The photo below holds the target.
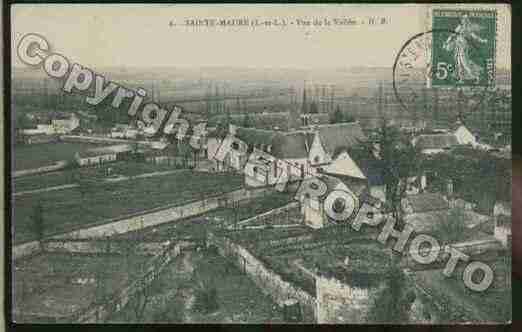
39,138
425,202
41,129
313,119
314,208
171,154
502,217
435,143
297,153
98,156
335,137
464,136
65,123
359,165
300,153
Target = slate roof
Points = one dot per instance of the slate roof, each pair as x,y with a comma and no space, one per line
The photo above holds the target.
436,141
340,135
293,145
427,202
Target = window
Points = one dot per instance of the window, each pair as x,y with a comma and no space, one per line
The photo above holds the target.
256,170
369,215
317,159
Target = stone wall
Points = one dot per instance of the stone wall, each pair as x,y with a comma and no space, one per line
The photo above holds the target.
267,280
144,219
97,313
268,214
340,303
44,169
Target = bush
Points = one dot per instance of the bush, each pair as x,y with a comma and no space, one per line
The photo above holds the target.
206,299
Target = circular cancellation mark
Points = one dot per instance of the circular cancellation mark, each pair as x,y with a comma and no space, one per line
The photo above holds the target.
414,73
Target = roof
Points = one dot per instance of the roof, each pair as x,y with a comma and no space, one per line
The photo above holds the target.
436,141
112,149
263,120
504,221
340,135
427,202
371,167
430,221
316,118
253,136
293,145
344,165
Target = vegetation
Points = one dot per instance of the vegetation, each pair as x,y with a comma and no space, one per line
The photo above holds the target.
393,304
401,160
38,221
452,227
68,210
477,176
338,116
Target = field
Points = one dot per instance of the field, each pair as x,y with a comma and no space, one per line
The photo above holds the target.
68,209
125,168
38,155
196,227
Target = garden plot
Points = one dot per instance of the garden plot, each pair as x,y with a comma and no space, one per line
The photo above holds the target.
52,286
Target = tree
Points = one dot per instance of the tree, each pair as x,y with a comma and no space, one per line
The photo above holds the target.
101,291
247,121
452,228
337,116
313,108
38,221
400,160
86,183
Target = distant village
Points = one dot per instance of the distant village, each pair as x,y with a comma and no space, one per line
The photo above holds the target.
447,181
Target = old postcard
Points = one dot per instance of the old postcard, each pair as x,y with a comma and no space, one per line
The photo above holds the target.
260,164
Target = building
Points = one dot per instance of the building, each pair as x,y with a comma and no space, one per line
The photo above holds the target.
464,136
98,156
314,119
425,202
300,153
41,129
359,165
502,217
435,143
65,123
39,138
314,209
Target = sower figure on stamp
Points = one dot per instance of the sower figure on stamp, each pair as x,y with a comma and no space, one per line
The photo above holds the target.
459,44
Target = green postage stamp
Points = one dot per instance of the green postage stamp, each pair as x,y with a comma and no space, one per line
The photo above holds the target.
463,47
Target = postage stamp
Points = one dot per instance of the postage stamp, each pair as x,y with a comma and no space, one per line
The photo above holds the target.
465,54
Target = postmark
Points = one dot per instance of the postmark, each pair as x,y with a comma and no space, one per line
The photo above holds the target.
413,76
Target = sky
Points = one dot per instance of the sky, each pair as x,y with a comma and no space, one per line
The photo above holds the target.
141,35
